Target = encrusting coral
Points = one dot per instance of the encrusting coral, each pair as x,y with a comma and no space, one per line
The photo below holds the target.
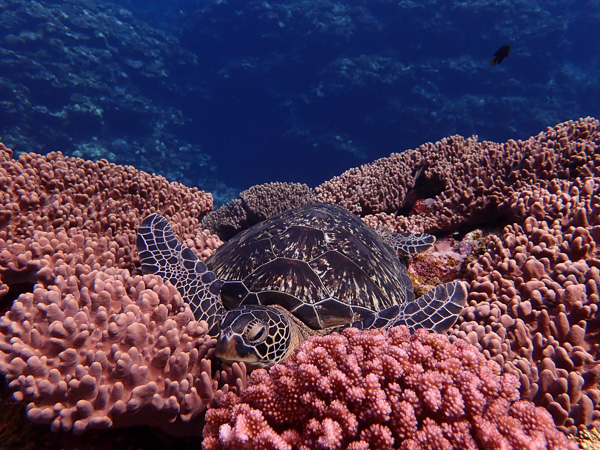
380,389
88,343
588,440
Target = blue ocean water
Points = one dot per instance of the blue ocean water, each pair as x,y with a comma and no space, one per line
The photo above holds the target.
225,94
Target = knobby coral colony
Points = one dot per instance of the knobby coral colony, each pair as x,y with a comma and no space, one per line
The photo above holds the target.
87,341
379,390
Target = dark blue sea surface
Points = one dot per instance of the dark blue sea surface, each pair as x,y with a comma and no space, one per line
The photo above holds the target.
230,93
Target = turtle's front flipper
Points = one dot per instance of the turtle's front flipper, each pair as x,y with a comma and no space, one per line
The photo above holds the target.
436,310
162,254
407,244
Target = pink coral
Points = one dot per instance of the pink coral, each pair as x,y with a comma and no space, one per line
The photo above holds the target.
444,262
534,298
256,204
463,180
102,353
380,389
86,342
534,290
67,233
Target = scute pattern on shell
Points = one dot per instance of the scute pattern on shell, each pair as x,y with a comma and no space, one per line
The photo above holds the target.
296,260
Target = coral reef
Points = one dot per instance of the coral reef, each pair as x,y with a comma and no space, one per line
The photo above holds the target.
380,389
290,84
99,348
267,200
533,288
255,205
17,432
467,179
160,86
85,342
85,330
446,261
534,298
228,220
588,440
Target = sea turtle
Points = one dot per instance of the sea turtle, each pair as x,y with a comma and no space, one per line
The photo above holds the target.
310,270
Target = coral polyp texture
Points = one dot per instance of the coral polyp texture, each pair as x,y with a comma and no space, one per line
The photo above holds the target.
256,204
380,389
86,342
465,179
534,298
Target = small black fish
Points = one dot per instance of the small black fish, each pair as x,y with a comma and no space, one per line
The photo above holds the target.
501,54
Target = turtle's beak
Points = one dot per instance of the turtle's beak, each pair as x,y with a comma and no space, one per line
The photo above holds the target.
231,348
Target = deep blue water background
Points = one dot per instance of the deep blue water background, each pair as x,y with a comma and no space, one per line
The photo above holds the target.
227,94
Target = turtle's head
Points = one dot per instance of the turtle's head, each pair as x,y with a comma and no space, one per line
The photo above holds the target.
260,336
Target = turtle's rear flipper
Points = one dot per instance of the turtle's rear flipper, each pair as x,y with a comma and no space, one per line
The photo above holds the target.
161,253
436,310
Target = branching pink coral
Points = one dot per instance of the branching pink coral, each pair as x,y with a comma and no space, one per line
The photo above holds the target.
380,389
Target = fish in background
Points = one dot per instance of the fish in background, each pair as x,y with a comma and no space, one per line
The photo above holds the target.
501,54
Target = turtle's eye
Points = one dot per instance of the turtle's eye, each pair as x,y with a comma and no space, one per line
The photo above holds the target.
256,332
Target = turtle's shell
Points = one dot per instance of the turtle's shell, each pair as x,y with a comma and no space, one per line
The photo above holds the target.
320,262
